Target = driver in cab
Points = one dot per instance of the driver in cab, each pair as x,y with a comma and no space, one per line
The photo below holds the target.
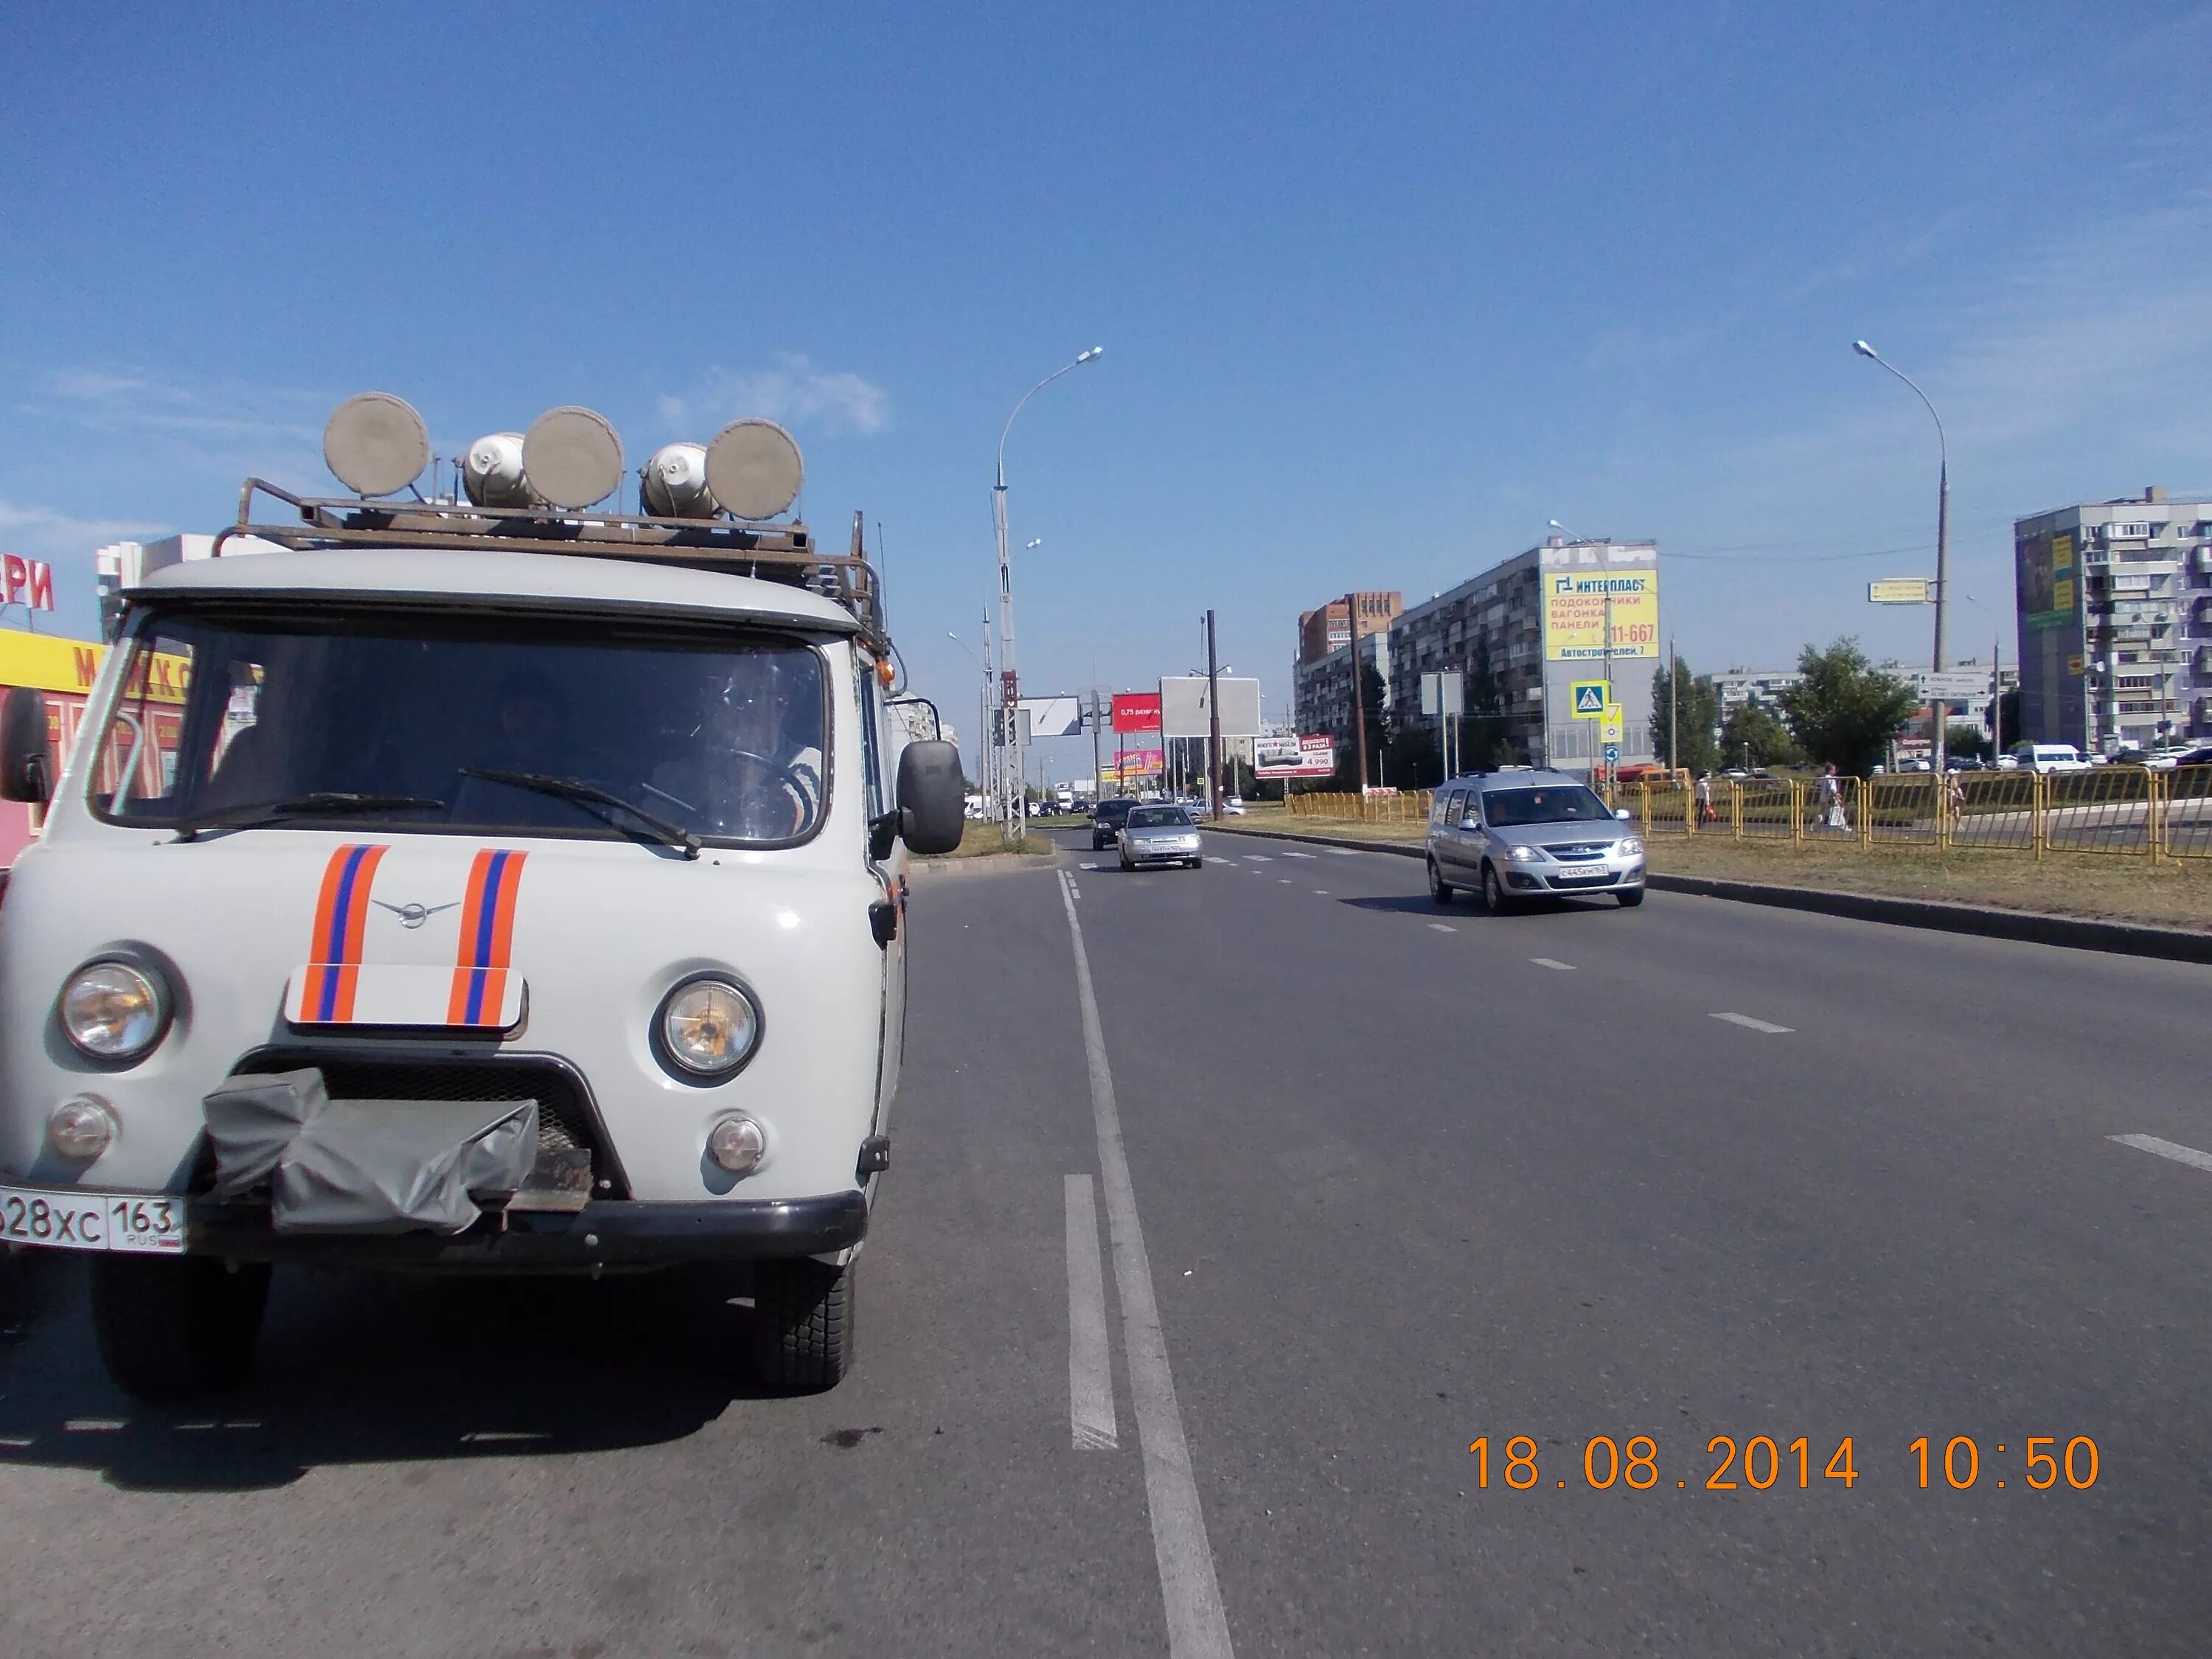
752,767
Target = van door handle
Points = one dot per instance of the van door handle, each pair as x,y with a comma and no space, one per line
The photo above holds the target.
882,920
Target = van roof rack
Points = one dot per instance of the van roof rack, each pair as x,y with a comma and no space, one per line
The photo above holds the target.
786,553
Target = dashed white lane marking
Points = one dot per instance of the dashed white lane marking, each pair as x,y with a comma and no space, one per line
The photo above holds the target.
1551,962
1258,858
1346,852
1320,892
1286,880
1090,1371
1751,1025
1442,927
1300,855
2189,1155
1197,1627
1094,866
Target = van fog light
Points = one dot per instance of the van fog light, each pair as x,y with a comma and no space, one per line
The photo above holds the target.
81,1129
737,1145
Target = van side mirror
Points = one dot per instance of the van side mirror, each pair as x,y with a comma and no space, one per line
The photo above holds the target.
1470,822
25,773
1622,813
933,796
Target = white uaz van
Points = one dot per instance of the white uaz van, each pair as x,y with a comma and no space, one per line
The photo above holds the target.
465,888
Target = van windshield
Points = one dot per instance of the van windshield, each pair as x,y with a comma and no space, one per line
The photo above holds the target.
467,724
1565,804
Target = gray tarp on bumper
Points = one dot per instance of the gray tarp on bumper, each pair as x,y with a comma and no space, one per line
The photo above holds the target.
364,1166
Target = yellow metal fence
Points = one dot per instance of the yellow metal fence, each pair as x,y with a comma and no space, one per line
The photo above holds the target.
2128,809
2132,810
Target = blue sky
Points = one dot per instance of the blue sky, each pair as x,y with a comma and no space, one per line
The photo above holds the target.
1382,289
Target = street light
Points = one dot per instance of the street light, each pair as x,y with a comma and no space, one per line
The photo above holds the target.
982,706
1013,806
1996,674
1942,536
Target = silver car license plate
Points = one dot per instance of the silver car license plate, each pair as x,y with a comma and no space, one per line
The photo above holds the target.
140,1223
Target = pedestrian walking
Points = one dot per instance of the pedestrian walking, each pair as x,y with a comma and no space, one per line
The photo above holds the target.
1955,798
1832,799
1705,792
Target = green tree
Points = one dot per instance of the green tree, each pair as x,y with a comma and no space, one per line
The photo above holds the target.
1842,711
1968,741
1754,737
1694,707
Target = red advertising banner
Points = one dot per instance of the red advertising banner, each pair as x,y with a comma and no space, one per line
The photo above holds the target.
1137,711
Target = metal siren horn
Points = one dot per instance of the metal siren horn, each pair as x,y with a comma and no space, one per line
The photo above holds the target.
491,471
674,483
571,457
375,444
754,469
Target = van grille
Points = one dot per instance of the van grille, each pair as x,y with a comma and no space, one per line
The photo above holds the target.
566,1118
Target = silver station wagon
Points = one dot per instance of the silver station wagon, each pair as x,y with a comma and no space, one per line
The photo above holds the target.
1524,834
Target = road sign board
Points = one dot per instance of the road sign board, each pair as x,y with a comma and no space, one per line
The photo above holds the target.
1610,725
1612,751
1899,589
1588,698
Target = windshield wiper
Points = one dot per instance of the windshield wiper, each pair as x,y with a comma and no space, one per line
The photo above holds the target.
320,803
590,794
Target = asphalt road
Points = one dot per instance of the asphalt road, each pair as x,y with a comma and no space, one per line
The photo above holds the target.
1358,1182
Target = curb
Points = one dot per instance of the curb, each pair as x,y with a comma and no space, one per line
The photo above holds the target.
2030,927
2033,927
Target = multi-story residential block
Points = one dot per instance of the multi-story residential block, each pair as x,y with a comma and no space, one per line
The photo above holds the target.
2115,613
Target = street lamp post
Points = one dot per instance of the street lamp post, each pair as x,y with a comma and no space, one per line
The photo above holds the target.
1013,817
1943,543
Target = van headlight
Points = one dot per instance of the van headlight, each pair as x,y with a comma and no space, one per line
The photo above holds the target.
706,1030
1522,852
114,1010
1629,847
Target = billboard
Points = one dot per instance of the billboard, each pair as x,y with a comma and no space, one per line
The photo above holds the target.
1136,711
1575,613
1129,765
1183,711
1054,717
2048,579
1293,757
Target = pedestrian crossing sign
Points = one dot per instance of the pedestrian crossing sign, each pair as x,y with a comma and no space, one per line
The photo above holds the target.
1589,698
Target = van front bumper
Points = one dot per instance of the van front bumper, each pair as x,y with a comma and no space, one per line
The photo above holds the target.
614,1233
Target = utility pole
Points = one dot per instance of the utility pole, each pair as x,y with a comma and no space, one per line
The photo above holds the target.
1673,697
1212,718
1358,694
1097,793
1937,705
1600,759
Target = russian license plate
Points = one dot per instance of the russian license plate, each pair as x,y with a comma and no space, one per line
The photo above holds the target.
1584,875
149,1224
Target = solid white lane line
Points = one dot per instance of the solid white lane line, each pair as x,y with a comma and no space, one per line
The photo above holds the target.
2189,1155
1751,1025
1443,927
1197,1628
1548,962
1090,1371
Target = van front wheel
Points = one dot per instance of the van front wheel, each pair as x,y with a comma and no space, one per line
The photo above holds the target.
802,1324
171,1327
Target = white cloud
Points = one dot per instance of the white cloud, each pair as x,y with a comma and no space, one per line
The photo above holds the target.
46,532
790,390
225,426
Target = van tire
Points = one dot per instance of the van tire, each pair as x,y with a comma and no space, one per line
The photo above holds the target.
170,1327
1630,897
803,1315
1494,902
1439,889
